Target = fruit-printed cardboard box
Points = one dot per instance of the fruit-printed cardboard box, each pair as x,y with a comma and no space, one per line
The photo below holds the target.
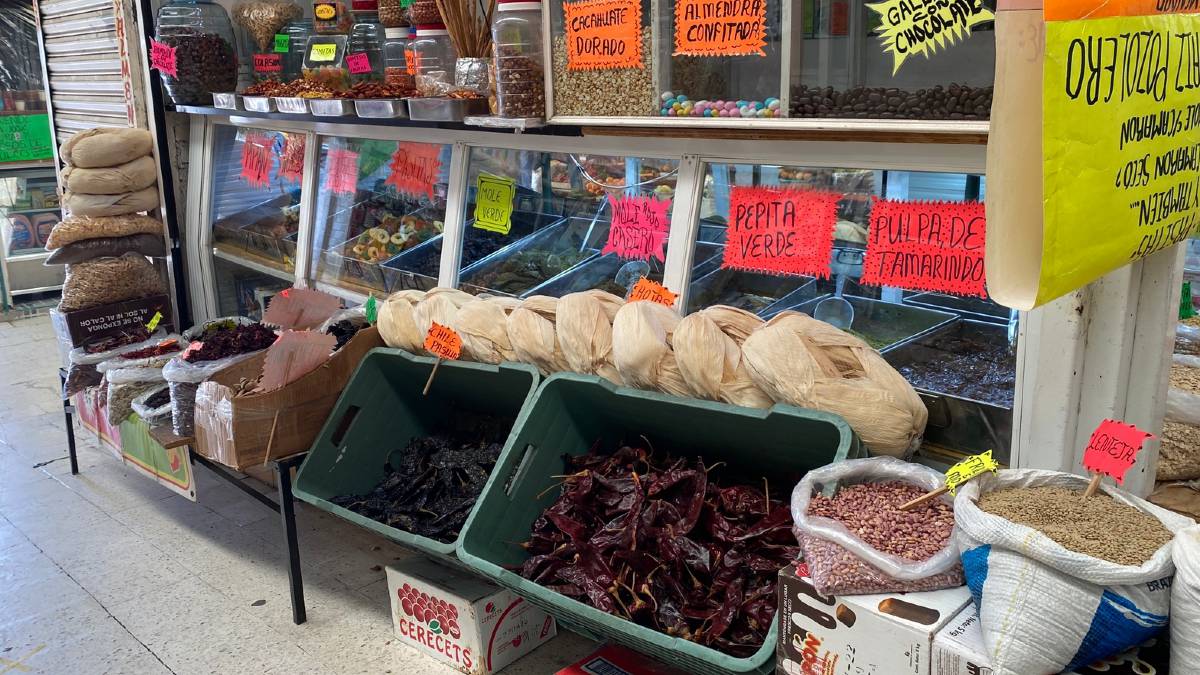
470,624
876,634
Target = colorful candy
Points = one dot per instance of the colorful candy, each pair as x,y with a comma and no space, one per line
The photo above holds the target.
679,105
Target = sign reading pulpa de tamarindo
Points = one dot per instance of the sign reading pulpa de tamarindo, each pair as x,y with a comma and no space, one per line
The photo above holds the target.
720,27
780,230
603,34
922,27
927,246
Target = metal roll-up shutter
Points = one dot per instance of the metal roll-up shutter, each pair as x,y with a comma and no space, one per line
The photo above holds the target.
93,64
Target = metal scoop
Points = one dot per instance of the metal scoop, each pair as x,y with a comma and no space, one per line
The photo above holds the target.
836,311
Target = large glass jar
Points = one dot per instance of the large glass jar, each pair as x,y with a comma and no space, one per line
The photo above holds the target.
517,46
364,51
205,57
435,57
298,33
395,58
392,13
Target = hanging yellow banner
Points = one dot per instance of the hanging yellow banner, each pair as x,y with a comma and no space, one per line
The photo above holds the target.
1121,144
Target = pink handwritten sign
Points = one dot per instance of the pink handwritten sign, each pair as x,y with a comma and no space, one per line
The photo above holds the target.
1113,449
257,159
162,57
639,227
341,171
358,63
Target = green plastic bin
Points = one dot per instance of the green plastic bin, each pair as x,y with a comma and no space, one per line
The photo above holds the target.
382,409
569,414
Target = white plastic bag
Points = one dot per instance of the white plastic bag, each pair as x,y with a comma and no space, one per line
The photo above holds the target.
194,333
184,379
117,361
938,571
126,384
1183,406
84,370
1046,609
1185,603
152,416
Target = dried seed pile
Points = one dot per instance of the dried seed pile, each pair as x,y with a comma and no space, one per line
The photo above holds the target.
1098,526
1179,454
1185,378
871,511
621,92
107,280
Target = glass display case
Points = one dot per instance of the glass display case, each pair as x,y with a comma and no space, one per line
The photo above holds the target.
29,209
254,215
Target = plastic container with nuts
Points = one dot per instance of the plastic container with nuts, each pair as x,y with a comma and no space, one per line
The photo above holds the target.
396,50
517,47
325,61
364,50
435,57
392,14
618,86
422,12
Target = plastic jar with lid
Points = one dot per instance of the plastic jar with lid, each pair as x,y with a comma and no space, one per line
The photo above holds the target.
395,58
517,47
435,57
325,62
331,17
392,13
364,50
422,12
298,33
261,21
205,56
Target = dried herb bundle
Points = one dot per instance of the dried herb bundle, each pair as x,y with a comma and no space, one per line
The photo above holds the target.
469,24
433,482
657,540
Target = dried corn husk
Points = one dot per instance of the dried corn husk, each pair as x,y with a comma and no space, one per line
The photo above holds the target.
808,363
642,352
531,331
396,324
439,305
483,326
584,331
708,349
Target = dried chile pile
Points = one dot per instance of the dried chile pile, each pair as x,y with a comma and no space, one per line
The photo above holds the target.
165,347
228,340
433,482
343,330
659,541
134,334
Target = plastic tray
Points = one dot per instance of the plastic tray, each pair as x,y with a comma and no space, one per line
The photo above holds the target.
382,409
331,107
969,308
356,271
573,411
889,325
293,105
262,104
391,108
569,236
725,286
226,100
425,258
442,109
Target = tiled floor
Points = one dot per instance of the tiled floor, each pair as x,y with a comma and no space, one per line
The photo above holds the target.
107,572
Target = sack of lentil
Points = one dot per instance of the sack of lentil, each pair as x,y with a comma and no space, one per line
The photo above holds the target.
126,384
396,324
1060,581
81,228
856,539
1185,603
1183,397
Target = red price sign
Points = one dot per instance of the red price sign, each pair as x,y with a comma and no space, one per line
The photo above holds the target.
927,246
341,174
358,63
162,57
268,63
291,162
415,168
443,342
1113,448
781,231
257,159
639,227
646,289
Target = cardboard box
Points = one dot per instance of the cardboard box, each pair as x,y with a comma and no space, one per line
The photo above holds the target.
958,650
238,430
878,634
86,325
466,622
617,660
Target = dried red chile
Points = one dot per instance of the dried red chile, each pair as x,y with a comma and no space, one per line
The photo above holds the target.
659,541
433,482
134,334
223,341
205,63
165,347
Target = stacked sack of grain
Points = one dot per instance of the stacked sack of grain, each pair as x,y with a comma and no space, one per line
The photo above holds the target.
110,172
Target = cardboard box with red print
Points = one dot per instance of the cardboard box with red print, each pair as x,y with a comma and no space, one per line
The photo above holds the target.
468,623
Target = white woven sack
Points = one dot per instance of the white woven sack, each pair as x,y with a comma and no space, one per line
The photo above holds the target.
1043,608
1185,603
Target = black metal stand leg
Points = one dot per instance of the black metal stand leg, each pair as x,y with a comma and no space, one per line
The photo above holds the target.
287,511
69,416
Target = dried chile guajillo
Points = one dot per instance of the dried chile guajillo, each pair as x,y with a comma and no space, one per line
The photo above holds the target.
659,541
432,483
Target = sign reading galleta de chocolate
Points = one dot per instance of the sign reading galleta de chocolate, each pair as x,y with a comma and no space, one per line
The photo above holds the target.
603,34
720,27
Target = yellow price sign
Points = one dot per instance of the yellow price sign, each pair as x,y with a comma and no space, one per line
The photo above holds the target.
154,321
322,52
494,203
970,468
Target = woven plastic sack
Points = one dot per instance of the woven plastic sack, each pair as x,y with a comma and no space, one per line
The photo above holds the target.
131,176
126,384
583,327
808,363
1185,602
137,201
483,326
150,245
532,333
1046,609
106,146
843,564
708,349
396,324
642,335
152,416
107,280
439,305
80,228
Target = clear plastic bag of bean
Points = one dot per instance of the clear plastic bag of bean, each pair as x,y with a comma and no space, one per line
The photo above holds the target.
856,539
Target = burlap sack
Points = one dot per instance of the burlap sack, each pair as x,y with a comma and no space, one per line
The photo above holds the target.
104,146
531,331
438,306
642,336
131,176
708,349
483,326
80,204
78,228
396,324
808,363
584,330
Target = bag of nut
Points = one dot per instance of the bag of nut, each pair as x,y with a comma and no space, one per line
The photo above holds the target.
856,539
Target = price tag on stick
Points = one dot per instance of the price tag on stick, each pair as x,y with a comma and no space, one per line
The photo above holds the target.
444,343
1111,451
971,467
